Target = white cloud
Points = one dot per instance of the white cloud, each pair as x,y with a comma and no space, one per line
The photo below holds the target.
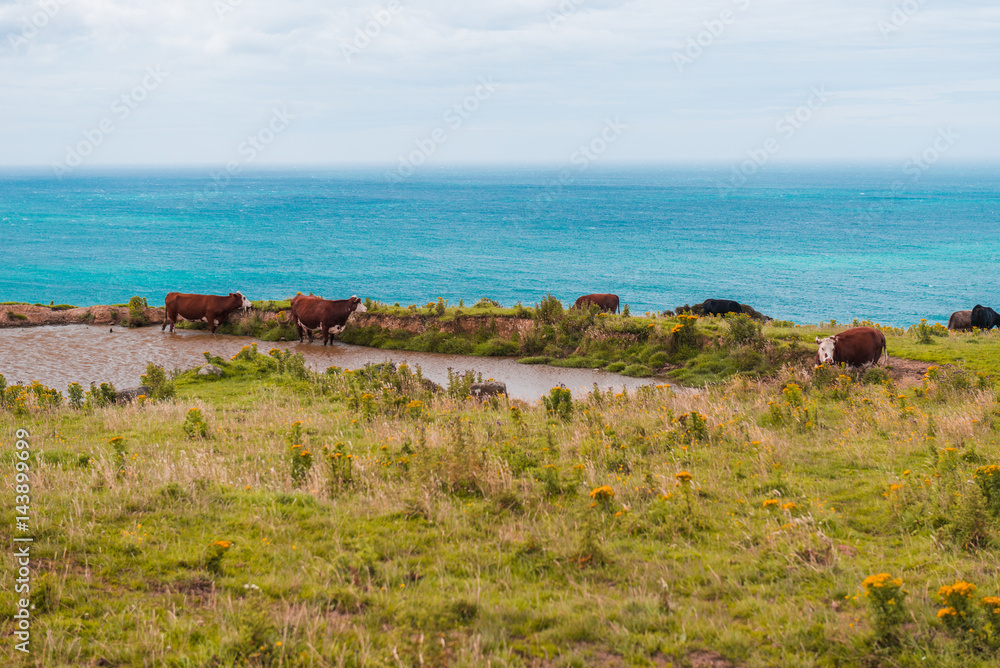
557,77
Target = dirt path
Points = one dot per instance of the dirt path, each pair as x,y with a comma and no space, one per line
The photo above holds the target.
906,372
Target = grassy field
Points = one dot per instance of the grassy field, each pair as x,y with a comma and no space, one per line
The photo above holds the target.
279,517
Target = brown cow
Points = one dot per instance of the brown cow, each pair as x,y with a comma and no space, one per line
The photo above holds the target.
328,316
605,302
213,309
960,320
859,346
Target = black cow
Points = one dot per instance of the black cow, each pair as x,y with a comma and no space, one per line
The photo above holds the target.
721,306
984,317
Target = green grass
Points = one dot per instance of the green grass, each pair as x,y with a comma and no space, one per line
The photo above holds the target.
468,533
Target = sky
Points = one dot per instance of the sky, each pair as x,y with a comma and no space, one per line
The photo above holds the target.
411,82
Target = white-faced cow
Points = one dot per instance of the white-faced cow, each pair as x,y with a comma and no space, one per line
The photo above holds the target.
606,302
859,346
213,309
328,316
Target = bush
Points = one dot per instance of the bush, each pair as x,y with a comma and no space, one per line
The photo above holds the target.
615,367
137,312
195,425
155,378
559,403
549,310
743,331
885,596
637,371
487,303
497,348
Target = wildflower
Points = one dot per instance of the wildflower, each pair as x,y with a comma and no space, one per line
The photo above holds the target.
683,476
770,502
602,493
224,544
790,506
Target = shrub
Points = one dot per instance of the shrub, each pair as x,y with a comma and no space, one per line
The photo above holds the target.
487,303
625,311
195,425
559,403
74,392
744,331
684,335
549,310
340,467
497,348
988,479
137,312
440,307
637,371
155,378
118,444
958,607
614,367
885,596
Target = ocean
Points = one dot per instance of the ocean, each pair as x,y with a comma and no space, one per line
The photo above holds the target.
804,243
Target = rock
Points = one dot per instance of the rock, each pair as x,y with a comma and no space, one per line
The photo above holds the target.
130,395
210,370
485,390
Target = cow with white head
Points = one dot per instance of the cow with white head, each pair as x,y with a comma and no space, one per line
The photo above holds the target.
858,347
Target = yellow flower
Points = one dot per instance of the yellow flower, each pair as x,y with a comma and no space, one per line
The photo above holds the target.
791,505
224,544
683,476
602,493
770,502
945,612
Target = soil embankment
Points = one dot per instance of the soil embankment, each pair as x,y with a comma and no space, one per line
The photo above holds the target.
34,315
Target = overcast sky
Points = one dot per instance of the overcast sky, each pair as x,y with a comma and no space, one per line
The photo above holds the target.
188,81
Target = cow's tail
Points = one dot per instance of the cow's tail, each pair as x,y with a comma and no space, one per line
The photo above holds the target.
885,351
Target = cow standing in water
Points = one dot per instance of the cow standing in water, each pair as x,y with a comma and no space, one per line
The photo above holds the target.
606,302
329,316
859,346
213,309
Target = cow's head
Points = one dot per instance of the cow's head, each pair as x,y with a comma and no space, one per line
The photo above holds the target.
826,348
244,302
357,306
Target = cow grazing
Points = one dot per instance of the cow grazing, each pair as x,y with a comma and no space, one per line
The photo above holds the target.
213,309
605,302
960,320
721,306
328,316
859,346
984,317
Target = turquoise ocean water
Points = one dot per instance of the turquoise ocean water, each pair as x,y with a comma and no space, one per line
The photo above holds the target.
806,243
